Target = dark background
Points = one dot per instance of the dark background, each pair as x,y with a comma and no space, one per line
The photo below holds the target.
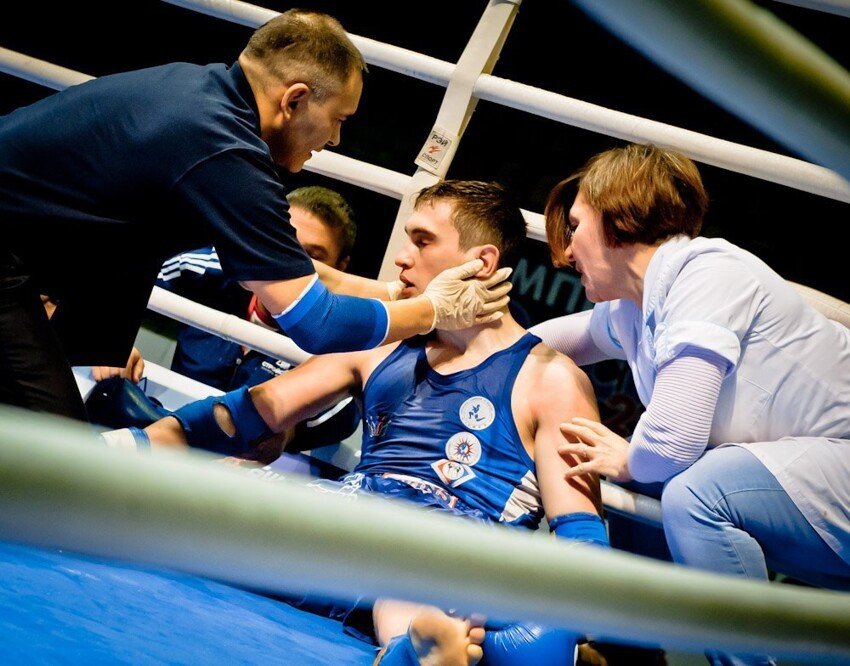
552,45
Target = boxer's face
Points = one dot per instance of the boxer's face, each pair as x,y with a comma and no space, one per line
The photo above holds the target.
320,241
433,245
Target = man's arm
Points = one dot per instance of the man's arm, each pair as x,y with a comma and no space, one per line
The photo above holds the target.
549,388
274,406
335,323
320,321
558,390
341,282
310,388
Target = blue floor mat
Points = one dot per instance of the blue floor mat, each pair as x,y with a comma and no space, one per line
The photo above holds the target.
63,608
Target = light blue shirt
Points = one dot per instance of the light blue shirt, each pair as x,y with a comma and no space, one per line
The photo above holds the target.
789,366
786,392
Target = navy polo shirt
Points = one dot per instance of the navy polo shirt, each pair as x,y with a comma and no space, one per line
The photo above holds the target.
100,183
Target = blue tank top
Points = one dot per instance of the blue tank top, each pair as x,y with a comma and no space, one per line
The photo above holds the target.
451,436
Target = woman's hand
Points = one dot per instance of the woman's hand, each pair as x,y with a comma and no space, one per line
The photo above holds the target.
597,451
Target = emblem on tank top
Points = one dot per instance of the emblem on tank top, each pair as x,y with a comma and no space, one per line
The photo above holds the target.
463,450
453,473
477,413
463,447
377,425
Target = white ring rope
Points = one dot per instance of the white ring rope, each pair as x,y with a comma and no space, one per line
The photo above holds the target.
829,306
356,172
742,159
745,160
787,171
60,489
39,71
227,326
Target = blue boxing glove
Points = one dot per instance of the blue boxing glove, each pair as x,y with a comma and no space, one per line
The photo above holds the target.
118,402
528,643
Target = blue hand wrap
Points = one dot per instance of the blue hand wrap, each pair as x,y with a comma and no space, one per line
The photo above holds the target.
132,438
143,442
528,643
587,527
203,431
321,322
399,652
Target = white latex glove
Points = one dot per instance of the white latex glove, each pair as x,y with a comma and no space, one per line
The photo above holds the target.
461,300
394,289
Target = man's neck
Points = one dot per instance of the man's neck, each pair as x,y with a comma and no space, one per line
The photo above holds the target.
453,351
257,79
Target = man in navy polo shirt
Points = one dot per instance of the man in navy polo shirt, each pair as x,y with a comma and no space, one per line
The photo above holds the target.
100,183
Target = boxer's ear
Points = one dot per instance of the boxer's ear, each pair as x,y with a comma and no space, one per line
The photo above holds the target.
489,254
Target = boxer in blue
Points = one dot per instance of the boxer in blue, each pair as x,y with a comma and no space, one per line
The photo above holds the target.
459,421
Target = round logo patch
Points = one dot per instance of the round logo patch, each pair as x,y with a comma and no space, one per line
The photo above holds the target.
477,413
463,447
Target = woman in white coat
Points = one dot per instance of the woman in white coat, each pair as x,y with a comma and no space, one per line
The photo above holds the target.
746,386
